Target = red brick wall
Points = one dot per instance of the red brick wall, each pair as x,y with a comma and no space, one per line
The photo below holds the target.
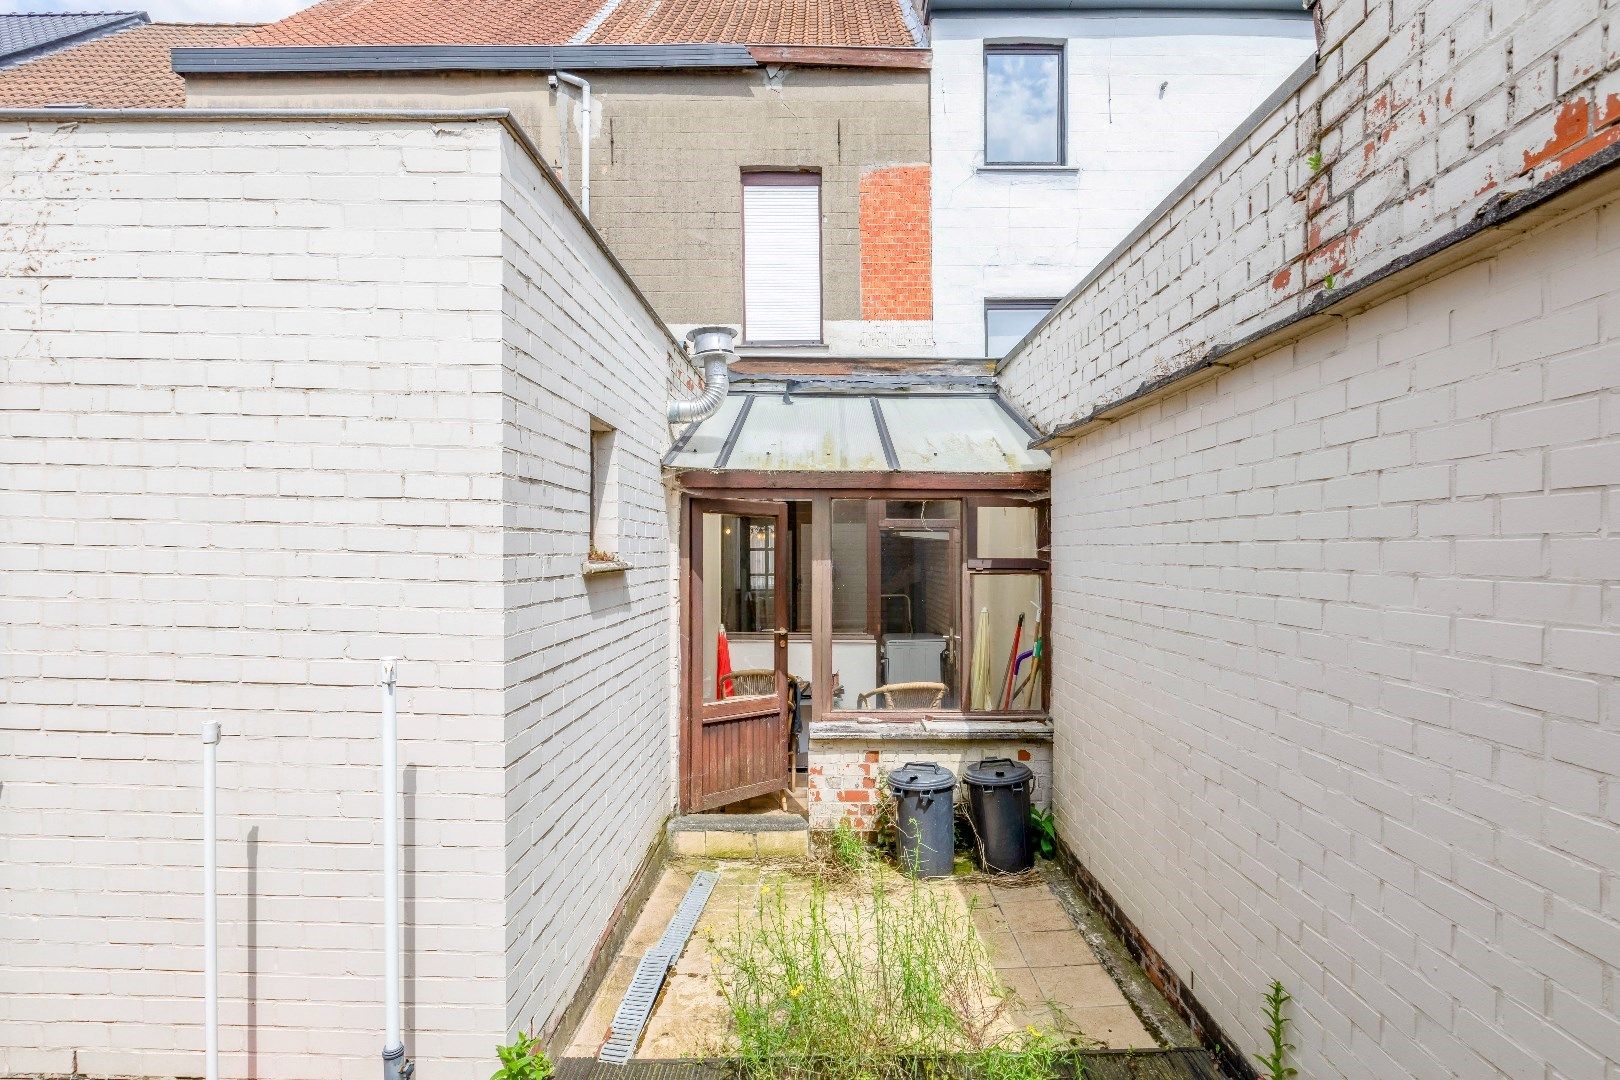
897,280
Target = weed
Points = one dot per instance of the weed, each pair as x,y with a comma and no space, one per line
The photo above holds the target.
871,990
846,848
523,1060
1044,828
1277,1028
1327,283
1315,161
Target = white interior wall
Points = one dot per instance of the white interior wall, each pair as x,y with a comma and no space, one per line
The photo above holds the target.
1149,96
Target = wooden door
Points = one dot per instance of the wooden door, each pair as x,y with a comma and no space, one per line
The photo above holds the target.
734,742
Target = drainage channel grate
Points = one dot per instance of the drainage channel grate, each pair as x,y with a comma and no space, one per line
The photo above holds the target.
630,1019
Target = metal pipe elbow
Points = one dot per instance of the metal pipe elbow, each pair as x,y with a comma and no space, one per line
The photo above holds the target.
713,344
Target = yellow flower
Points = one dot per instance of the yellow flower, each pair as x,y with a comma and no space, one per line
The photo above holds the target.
796,991
1031,1029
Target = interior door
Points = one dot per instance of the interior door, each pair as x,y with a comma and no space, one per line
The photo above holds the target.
735,743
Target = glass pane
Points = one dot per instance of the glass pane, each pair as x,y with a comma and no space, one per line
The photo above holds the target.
1009,647
924,510
739,596
854,650
1005,325
1022,107
808,433
1007,532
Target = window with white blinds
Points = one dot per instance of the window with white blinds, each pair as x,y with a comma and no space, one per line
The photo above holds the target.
781,257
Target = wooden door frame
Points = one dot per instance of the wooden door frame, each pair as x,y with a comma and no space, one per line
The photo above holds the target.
694,709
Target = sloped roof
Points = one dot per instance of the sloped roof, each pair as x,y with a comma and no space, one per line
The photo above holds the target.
31,34
592,22
125,70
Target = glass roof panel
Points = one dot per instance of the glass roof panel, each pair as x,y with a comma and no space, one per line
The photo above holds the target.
702,447
809,434
838,433
958,434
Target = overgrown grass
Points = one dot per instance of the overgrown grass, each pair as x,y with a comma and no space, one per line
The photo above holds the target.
896,984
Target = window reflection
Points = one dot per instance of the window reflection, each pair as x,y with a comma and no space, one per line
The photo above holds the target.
1023,105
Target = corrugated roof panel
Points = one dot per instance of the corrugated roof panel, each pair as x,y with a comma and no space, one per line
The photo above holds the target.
809,434
958,434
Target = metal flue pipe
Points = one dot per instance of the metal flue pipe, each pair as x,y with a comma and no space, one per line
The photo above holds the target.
712,345
395,1065
210,739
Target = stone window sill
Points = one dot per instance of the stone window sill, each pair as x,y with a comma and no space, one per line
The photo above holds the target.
1060,169
604,566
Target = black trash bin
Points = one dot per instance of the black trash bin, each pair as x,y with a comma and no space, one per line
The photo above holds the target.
924,818
998,806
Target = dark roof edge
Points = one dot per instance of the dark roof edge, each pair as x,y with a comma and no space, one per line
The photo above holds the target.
45,48
1249,126
503,117
339,59
1475,239
1047,7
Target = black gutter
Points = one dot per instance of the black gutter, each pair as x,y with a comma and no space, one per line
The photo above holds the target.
90,33
359,58
1494,214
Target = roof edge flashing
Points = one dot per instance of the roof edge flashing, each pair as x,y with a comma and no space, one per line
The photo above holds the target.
342,59
1043,7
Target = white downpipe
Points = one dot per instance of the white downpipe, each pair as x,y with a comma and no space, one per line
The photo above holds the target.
393,1046
585,138
210,738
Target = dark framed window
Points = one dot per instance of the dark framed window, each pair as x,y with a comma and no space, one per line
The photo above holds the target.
1007,321
1024,91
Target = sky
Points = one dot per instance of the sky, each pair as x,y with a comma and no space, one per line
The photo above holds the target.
170,10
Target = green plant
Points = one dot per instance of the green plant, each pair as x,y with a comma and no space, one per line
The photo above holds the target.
1327,282
1044,826
1315,161
1277,1028
523,1060
846,848
870,988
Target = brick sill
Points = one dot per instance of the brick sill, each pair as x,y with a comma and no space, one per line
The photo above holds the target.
932,730
604,566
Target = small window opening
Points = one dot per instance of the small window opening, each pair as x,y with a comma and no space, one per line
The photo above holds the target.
605,502
1023,105
1007,321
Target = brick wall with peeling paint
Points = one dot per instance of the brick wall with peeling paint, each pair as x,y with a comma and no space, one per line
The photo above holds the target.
1418,114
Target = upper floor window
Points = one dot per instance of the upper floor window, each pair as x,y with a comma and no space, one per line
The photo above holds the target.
1007,321
781,258
1023,105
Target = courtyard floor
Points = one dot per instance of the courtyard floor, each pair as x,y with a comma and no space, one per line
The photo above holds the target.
1064,974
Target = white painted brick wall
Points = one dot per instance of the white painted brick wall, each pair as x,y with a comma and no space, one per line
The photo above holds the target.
1421,110
274,405
1150,94
1337,682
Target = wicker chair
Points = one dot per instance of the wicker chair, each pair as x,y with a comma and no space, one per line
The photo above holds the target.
757,682
905,695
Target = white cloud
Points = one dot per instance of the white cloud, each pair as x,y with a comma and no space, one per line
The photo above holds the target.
1021,100
171,10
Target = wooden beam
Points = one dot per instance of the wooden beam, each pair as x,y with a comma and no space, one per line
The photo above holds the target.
778,485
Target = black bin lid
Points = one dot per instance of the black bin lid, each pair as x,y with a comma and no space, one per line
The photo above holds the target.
921,778
998,772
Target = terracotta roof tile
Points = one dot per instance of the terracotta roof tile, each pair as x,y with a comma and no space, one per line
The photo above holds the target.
557,22
428,22
755,22
127,70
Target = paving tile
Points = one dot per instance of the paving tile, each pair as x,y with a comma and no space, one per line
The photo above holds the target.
1055,948
1036,915
1002,948
1073,988
1116,1026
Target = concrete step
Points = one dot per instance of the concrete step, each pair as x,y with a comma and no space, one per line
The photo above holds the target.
776,835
